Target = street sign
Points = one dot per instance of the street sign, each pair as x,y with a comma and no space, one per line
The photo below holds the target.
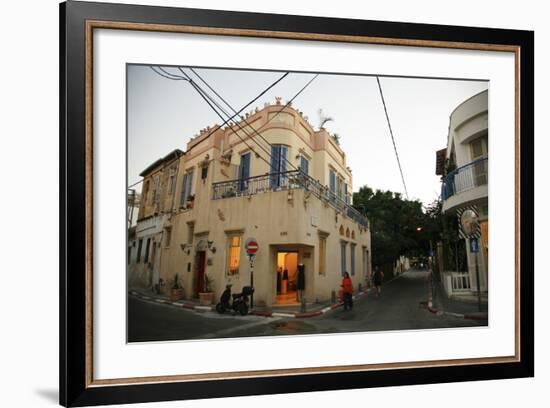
251,246
474,245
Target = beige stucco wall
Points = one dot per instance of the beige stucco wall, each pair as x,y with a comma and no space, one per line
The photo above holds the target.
278,223
279,220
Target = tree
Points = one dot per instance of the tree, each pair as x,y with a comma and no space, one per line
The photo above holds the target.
398,226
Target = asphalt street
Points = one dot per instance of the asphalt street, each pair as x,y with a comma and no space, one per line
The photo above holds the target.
401,306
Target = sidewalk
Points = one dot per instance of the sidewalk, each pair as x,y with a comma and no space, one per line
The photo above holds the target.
312,309
462,308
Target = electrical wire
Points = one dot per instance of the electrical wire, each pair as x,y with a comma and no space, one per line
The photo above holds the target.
392,138
225,122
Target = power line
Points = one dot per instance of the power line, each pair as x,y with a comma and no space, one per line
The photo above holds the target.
392,138
248,124
268,152
210,100
201,90
206,98
226,121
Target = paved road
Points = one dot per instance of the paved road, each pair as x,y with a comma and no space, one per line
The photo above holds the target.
151,321
398,308
401,306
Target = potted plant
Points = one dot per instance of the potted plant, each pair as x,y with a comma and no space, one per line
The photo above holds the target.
190,200
177,290
206,297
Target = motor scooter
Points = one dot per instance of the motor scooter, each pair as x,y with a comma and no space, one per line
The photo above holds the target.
239,300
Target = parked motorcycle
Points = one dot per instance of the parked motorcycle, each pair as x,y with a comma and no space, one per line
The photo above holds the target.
239,301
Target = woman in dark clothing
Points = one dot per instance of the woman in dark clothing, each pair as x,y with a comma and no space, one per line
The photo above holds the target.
377,278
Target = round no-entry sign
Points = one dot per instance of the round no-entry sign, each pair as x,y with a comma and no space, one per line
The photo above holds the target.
251,246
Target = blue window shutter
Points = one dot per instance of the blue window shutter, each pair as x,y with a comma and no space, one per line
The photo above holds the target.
274,180
282,165
304,165
346,198
183,188
244,171
284,155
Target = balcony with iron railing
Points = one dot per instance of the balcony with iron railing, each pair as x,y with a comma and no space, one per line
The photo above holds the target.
288,180
467,177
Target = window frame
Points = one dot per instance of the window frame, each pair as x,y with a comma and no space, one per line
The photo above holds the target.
229,247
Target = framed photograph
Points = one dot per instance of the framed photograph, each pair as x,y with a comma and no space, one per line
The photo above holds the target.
258,204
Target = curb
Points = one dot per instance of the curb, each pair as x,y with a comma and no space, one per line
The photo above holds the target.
438,312
261,313
185,305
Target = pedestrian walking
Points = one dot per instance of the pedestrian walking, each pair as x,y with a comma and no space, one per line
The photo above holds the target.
347,291
377,278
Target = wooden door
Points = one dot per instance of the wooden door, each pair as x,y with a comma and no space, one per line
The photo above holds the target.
200,271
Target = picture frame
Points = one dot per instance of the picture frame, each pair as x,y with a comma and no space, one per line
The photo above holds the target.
78,20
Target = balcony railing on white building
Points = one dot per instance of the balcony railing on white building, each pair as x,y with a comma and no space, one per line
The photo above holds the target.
288,180
471,175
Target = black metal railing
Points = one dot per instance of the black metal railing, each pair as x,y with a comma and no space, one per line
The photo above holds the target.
287,180
471,175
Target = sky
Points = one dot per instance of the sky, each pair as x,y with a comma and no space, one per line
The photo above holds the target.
164,114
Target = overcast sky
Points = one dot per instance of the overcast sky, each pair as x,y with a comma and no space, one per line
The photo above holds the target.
164,114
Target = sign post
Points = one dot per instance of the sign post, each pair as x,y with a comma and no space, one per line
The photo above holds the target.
470,224
251,246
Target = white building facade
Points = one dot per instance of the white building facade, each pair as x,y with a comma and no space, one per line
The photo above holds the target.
463,166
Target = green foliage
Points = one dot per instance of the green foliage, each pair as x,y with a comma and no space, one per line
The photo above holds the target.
395,222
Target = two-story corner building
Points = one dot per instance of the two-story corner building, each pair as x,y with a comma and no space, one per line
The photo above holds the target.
155,204
286,185
463,166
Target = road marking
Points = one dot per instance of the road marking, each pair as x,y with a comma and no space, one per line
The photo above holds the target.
260,322
277,314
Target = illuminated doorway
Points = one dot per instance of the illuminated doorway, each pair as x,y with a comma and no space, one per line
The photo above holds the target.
287,268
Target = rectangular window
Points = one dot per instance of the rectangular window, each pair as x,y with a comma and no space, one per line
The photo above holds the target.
279,154
343,256
204,172
172,184
183,197
145,191
233,254
346,194
332,183
167,236
189,190
304,165
244,171
322,255
140,244
190,232
186,187
146,256
352,259
339,191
